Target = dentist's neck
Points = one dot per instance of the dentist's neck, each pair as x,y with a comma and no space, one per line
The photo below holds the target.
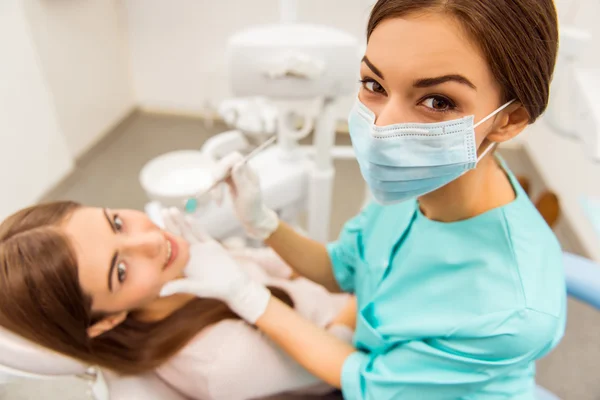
478,191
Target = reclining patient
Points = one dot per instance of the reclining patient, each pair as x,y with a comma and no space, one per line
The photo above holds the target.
85,282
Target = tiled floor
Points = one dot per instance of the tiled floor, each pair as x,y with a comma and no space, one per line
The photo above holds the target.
108,177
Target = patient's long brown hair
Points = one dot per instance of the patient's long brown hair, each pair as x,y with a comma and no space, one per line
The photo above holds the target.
41,300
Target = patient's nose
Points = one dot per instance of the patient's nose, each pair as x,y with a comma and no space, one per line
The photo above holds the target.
146,244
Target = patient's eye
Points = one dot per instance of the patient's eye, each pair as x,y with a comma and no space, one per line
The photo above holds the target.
118,223
121,272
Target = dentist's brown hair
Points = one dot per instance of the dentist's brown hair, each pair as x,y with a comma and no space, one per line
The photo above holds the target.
41,300
519,39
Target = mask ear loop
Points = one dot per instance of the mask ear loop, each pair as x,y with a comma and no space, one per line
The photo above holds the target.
493,114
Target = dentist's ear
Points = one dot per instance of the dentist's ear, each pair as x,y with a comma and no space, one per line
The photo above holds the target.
106,324
509,123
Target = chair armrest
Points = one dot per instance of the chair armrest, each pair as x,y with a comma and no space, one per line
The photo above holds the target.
583,279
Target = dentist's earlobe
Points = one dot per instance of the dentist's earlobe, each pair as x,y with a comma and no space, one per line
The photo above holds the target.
511,122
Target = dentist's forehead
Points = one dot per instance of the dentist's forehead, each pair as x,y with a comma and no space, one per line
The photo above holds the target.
425,45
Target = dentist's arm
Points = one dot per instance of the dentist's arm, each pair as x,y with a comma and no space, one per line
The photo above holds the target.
307,257
317,350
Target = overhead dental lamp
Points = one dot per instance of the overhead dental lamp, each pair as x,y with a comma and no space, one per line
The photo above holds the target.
296,66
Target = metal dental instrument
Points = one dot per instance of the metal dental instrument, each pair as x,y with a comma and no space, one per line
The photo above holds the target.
191,204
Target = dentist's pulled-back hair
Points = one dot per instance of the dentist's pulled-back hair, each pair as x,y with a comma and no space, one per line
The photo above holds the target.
41,300
519,39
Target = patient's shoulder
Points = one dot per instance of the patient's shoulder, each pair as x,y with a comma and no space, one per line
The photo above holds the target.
194,368
242,354
212,340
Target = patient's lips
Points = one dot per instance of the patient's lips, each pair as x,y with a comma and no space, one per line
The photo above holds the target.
172,251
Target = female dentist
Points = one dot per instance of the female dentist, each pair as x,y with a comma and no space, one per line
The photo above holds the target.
459,280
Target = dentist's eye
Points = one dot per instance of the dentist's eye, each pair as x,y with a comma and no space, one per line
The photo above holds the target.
118,223
372,86
121,272
438,103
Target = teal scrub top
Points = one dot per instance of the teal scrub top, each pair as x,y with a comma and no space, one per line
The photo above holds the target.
455,310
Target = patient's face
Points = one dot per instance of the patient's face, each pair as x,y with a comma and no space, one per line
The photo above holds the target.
123,258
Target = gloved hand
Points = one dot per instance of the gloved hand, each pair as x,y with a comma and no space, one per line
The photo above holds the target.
258,220
212,272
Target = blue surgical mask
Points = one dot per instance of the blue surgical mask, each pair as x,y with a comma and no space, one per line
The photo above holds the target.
407,160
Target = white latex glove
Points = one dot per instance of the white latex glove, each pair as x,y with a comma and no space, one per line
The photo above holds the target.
213,273
259,221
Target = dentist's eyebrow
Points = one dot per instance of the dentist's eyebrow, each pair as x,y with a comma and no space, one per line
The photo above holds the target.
373,68
428,82
113,261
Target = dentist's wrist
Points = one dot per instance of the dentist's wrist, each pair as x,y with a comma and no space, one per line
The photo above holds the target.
250,301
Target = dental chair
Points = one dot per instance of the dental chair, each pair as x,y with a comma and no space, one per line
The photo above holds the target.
21,359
